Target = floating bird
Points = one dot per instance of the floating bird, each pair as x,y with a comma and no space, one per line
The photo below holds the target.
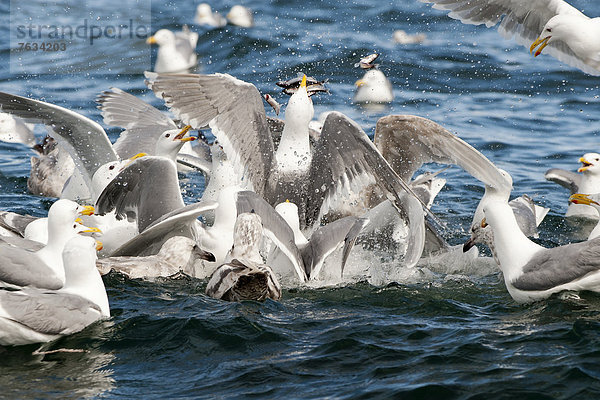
43,267
245,276
240,16
570,36
50,169
39,315
176,50
587,183
591,200
373,87
532,272
206,16
401,37
306,175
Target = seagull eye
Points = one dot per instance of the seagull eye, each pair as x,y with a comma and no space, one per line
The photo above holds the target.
167,135
549,29
75,226
111,167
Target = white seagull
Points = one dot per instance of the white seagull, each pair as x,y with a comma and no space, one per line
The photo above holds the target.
586,182
532,272
206,16
176,50
39,315
570,35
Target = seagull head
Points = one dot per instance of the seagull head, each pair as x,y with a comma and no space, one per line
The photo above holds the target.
299,110
590,163
203,10
170,142
559,27
162,37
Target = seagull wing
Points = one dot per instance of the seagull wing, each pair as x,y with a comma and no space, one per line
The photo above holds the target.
344,156
566,179
143,123
135,189
407,142
274,227
234,111
560,265
175,223
50,313
84,139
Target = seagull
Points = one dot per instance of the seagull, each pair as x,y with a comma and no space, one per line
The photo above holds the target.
43,267
50,169
532,272
240,16
588,183
245,276
206,16
401,37
308,176
33,315
589,200
373,87
176,50
570,35
178,254
321,244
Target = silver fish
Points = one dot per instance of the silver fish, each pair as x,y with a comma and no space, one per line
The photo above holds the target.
367,62
273,103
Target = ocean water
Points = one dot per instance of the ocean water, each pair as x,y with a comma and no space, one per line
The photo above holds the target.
445,330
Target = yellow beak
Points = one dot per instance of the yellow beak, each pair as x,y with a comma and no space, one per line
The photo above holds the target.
359,83
303,83
151,40
538,41
98,245
87,210
181,134
138,155
580,198
585,166
91,230
79,221
484,223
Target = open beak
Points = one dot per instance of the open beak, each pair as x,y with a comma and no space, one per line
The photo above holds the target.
585,166
98,245
180,135
151,40
539,41
580,198
87,210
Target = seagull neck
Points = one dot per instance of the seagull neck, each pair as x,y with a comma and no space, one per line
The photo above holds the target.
294,152
590,183
513,248
87,284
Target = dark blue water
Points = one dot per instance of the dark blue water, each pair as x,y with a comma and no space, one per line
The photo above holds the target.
446,330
